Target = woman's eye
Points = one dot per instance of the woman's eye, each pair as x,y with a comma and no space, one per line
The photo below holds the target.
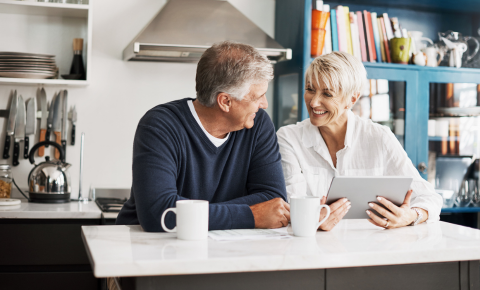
309,89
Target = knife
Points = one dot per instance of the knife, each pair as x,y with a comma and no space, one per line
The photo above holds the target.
42,99
50,119
19,129
57,120
64,124
10,125
31,122
74,121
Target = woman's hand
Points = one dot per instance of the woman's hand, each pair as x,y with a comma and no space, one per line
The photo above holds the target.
395,217
338,210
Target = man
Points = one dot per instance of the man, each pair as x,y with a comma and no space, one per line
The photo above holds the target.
219,147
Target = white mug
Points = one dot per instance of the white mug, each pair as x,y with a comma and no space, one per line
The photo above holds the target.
305,213
192,220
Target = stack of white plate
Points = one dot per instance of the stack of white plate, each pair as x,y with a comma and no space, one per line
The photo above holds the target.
27,65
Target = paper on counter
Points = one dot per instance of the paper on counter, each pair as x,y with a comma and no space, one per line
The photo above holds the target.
249,234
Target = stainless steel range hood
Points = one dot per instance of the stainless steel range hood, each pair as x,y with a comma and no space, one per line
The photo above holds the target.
184,29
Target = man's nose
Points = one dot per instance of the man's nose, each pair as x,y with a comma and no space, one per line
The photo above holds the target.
263,103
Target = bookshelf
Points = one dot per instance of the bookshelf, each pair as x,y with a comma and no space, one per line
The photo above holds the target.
292,30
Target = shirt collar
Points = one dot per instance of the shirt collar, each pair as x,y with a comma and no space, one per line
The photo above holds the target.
312,137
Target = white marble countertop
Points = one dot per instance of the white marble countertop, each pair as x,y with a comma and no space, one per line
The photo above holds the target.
70,210
129,251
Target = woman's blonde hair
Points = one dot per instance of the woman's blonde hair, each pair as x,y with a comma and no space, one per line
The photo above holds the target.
340,72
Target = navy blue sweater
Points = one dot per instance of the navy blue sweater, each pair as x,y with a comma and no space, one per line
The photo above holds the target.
173,160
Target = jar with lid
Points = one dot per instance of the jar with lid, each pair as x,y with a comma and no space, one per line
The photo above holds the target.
5,181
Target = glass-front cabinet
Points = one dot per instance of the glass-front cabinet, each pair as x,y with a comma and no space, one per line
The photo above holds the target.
433,111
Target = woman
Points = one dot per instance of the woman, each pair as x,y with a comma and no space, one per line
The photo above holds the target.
335,142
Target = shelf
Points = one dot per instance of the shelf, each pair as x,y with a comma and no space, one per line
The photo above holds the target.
42,8
460,209
438,138
58,82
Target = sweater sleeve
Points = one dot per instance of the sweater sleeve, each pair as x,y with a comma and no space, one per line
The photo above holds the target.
265,175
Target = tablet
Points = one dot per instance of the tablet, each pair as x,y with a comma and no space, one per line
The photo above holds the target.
361,190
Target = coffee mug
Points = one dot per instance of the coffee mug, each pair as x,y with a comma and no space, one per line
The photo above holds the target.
192,220
400,50
305,213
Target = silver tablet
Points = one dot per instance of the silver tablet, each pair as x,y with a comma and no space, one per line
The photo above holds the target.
362,190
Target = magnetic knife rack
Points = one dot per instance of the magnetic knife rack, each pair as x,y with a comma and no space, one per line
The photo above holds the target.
6,113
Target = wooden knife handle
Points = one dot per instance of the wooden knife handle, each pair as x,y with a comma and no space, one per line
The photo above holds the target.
41,150
59,141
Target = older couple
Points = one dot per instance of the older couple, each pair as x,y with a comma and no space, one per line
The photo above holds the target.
222,147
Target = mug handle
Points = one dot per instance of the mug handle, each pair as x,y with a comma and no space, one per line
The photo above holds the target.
326,217
162,220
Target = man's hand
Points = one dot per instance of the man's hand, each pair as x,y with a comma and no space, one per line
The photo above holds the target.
271,214
338,210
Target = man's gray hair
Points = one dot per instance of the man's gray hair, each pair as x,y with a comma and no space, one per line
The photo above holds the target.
230,67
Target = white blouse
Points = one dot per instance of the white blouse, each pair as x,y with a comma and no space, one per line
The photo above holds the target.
370,150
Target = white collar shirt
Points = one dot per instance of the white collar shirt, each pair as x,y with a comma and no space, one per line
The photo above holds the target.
370,150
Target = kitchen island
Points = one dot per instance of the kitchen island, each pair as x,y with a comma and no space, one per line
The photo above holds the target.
354,255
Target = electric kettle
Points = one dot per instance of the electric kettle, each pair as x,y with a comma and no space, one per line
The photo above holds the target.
49,181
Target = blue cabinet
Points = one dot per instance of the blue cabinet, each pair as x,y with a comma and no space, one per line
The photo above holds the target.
292,30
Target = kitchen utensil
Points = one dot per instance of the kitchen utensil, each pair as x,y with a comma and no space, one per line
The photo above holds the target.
10,124
77,67
19,129
192,219
419,58
51,113
400,47
57,120
31,124
49,181
80,194
417,38
42,99
434,56
64,123
305,215
74,121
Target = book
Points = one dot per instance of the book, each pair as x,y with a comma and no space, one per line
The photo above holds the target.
333,23
382,44
348,33
388,26
319,22
361,35
372,55
342,37
355,38
376,37
385,40
327,48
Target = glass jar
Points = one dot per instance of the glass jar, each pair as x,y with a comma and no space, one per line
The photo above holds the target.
5,181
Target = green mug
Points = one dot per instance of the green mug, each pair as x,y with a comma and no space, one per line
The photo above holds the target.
400,49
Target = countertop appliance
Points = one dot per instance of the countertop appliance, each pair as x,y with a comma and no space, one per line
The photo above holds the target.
49,181
184,29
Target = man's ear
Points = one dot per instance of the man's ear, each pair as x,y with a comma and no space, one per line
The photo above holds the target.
224,102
